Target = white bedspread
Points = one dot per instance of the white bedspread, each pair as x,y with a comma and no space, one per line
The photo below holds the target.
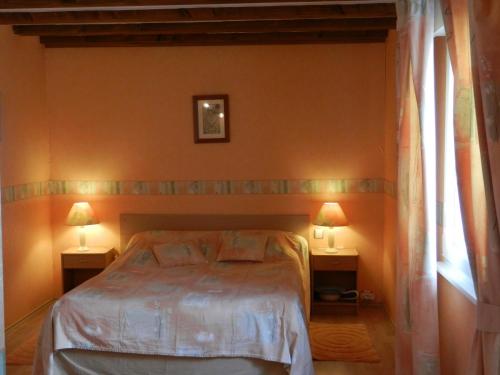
218,309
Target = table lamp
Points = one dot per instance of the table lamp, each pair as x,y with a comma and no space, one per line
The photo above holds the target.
331,215
81,214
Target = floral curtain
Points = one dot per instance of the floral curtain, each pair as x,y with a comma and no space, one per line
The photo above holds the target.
417,349
472,29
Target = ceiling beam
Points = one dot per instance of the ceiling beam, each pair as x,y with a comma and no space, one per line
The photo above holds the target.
44,5
202,14
378,36
208,27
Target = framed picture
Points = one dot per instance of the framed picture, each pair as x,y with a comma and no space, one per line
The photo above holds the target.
211,118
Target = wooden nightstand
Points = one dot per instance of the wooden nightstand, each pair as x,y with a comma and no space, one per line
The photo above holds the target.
78,266
334,270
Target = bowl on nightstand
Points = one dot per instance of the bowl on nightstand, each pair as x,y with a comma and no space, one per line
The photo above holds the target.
329,294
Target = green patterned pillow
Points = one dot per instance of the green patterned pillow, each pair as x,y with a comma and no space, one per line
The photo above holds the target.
179,254
242,246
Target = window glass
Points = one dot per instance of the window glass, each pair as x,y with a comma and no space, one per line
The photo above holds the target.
455,263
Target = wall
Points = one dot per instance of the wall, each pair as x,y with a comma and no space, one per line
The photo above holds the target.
28,266
297,112
390,164
457,321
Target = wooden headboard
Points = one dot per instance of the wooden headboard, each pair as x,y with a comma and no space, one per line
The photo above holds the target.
134,223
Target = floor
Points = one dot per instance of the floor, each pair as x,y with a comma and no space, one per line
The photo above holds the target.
382,333
15,336
379,327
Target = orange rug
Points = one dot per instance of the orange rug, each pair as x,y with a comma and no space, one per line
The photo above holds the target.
341,342
24,354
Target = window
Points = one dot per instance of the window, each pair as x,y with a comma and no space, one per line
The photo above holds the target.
453,259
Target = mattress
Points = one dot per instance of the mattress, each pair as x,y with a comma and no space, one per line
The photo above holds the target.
248,315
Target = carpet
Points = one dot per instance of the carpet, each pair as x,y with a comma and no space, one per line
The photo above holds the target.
24,354
341,342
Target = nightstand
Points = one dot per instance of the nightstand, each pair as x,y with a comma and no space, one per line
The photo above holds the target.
79,266
333,270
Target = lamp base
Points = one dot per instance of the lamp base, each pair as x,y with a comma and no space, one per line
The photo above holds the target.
83,241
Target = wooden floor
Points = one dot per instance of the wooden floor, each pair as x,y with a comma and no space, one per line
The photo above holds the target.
380,328
16,335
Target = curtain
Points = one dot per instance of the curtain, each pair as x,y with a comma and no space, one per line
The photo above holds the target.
417,350
472,29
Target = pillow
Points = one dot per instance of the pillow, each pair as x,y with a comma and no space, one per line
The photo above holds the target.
176,254
241,246
209,241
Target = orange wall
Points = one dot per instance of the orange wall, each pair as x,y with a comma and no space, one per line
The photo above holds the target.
390,163
457,318
28,268
296,112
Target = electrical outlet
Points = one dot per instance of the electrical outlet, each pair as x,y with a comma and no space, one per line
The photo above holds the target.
318,233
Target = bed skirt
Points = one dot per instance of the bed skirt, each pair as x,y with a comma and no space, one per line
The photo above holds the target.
82,362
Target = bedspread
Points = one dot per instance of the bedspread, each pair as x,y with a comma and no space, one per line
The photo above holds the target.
218,309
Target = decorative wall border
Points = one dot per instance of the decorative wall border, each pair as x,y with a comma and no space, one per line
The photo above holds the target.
25,191
196,187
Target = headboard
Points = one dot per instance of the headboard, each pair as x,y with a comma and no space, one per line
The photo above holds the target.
133,223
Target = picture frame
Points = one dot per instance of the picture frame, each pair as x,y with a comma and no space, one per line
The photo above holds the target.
211,118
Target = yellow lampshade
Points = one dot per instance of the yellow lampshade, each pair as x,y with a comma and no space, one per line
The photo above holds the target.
331,215
81,214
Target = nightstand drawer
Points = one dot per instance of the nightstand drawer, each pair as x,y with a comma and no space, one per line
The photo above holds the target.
335,263
84,261
79,266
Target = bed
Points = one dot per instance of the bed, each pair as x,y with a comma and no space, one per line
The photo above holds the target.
214,317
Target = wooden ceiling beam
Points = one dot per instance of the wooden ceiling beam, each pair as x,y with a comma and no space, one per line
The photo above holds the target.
71,4
202,14
377,36
207,27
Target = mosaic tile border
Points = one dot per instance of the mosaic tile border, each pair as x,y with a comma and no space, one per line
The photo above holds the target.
25,191
196,187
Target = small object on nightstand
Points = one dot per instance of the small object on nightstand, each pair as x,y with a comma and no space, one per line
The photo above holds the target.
334,281
327,293
78,266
